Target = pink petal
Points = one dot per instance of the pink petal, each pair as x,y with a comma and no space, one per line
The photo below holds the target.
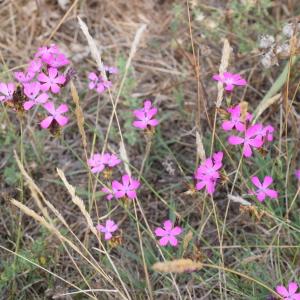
97,169
49,106
229,87
152,112
52,72
126,180
43,98
271,193
235,140
28,104
217,77
46,122
116,185
43,77
176,230
281,290
61,120
61,79
168,225
255,180
119,194
139,124
140,114
45,87
131,194
267,181
107,236
227,125
247,151
261,196
100,227
200,185
153,122
173,241
62,108
160,232
164,241
55,88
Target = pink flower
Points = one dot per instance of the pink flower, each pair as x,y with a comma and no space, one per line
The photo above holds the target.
6,91
290,292
145,116
31,90
52,81
111,70
98,83
56,114
97,162
252,139
112,160
230,80
267,132
297,174
108,192
45,52
127,188
235,119
263,191
207,173
23,76
168,233
57,60
110,226
35,65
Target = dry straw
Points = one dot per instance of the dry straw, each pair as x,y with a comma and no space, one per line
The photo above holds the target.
177,266
223,67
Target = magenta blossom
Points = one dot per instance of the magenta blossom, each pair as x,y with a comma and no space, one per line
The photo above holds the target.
32,90
111,70
252,139
110,226
98,83
208,173
297,174
45,52
52,80
168,233
6,91
127,188
145,116
98,161
235,120
56,60
35,65
263,191
290,292
230,80
55,114
266,133
112,160
23,77
108,192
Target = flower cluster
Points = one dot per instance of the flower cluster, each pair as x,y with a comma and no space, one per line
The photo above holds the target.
99,161
208,173
253,136
101,83
39,83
